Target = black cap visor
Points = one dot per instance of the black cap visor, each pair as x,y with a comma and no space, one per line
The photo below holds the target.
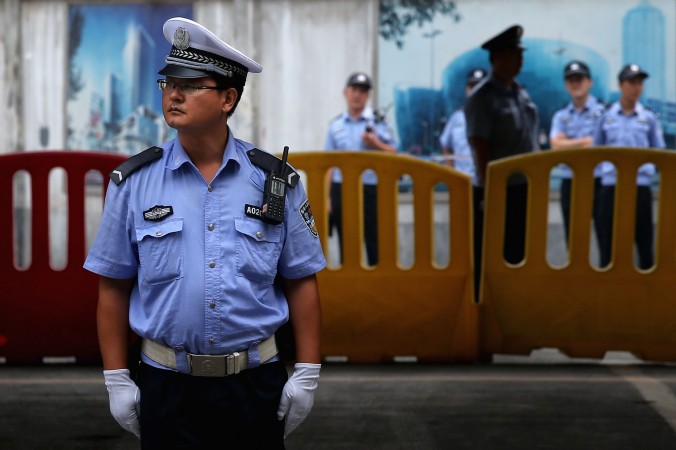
171,70
631,76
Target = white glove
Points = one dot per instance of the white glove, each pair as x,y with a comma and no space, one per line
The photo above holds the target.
298,396
125,399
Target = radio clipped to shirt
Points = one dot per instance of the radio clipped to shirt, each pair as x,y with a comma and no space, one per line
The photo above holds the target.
280,175
274,194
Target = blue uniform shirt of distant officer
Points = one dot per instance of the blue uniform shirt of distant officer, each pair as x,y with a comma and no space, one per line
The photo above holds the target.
346,132
577,123
453,138
574,124
641,129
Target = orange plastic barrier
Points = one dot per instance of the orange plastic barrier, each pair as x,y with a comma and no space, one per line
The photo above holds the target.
583,310
377,314
45,312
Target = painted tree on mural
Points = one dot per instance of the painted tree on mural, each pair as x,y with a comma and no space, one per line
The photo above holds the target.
75,82
397,16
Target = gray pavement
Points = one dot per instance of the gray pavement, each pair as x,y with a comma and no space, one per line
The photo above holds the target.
516,403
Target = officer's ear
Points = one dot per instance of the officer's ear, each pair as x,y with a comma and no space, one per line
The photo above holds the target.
229,99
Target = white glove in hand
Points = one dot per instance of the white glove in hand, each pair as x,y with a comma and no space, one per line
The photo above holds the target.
298,396
125,399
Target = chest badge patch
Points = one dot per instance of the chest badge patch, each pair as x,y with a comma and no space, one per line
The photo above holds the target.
253,211
306,213
158,212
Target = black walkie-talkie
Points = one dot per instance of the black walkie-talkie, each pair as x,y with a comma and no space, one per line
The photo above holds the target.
272,210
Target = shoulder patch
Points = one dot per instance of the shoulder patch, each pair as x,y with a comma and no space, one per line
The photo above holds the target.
134,163
306,213
271,163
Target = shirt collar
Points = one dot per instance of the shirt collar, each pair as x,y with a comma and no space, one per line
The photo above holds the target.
179,157
638,109
367,114
502,88
591,101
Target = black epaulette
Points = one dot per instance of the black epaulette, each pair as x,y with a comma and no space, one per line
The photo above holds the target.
134,163
271,163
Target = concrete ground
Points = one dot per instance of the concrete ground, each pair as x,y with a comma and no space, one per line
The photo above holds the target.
543,401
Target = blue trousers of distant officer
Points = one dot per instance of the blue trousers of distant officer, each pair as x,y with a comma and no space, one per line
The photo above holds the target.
370,219
643,234
516,203
566,185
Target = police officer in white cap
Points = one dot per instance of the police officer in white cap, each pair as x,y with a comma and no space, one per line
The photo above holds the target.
204,273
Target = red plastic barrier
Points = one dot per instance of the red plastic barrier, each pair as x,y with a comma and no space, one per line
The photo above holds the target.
46,312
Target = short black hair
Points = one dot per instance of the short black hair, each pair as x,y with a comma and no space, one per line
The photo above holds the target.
225,83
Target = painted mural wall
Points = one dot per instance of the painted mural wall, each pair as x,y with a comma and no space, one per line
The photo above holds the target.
422,82
113,102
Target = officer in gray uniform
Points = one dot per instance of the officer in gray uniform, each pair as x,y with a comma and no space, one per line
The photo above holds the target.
502,121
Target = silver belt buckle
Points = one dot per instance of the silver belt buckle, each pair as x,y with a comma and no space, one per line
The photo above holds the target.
232,363
207,365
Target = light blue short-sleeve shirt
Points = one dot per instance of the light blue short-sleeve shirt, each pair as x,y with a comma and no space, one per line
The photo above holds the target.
204,262
454,137
345,133
639,129
577,123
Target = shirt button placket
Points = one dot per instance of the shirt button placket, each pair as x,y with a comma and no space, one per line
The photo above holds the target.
211,212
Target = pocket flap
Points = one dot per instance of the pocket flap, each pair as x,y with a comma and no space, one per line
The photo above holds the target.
258,230
159,229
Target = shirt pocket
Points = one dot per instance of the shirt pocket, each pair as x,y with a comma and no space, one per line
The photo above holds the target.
161,251
257,249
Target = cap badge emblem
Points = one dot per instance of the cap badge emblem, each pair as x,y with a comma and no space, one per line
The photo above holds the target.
181,38
575,66
634,68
